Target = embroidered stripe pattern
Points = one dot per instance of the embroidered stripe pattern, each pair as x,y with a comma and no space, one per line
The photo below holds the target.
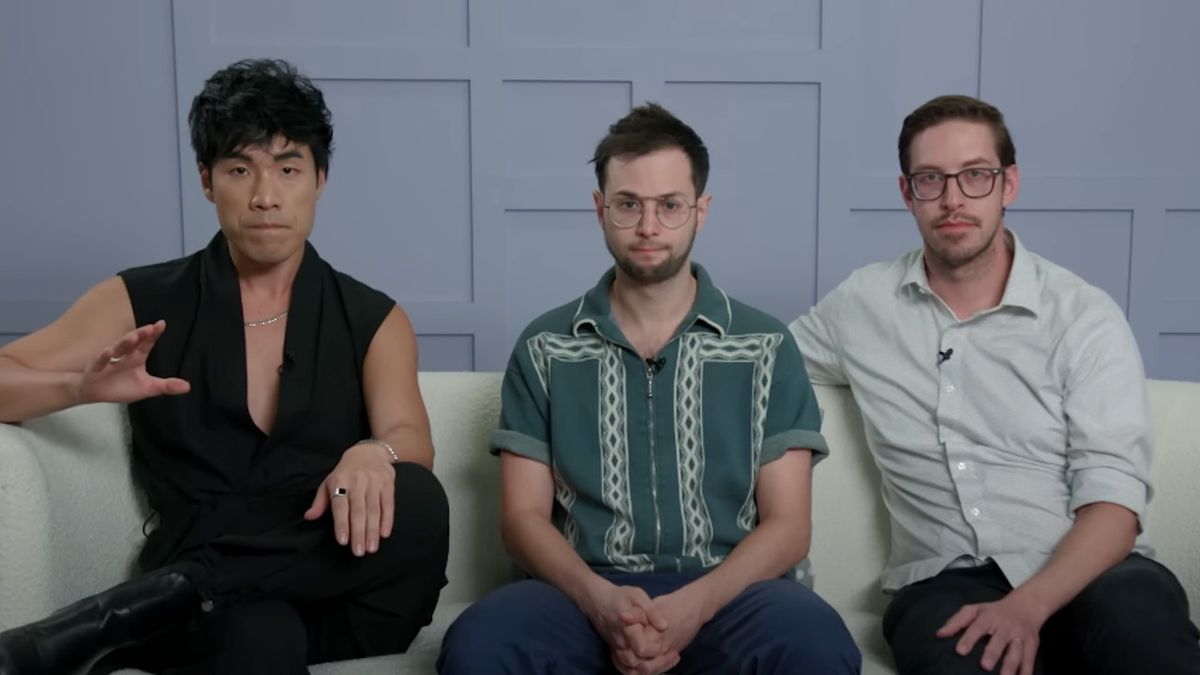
544,348
695,350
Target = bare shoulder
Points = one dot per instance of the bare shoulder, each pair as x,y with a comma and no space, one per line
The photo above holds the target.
394,339
100,317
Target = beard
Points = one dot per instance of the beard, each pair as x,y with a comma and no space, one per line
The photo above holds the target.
958,253
652,274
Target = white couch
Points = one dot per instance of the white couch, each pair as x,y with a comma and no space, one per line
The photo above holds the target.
70,522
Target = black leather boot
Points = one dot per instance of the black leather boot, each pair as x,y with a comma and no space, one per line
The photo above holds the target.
72,639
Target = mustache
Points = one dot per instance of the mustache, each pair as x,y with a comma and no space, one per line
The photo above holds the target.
961,217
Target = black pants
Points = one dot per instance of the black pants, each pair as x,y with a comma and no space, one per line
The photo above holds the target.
1132,619
324,604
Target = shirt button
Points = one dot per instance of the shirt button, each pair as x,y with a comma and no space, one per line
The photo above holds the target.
962,466
949,389
975,511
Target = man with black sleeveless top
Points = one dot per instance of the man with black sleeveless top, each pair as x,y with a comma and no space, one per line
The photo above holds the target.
278,429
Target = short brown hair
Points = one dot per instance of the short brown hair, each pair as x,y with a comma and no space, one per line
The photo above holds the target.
646,129
956,107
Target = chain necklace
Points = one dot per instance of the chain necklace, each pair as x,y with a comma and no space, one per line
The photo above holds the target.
266,322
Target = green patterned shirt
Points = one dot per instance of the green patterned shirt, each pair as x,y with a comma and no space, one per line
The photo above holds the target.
655,462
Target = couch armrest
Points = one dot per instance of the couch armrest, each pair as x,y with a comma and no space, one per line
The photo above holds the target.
24,530
70,521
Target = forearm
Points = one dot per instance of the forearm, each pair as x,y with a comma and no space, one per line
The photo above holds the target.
410,443
1102,536
26,393
542,551
773,548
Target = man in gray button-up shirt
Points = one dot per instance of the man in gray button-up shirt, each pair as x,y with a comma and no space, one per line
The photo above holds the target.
1005,404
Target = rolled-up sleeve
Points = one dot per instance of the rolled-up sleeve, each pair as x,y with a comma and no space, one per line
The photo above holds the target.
524,408
793,419
1109,444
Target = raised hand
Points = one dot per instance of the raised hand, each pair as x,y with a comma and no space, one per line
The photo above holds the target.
118,373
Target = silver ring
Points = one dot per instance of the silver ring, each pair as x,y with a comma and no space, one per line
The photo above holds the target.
340,492
116,359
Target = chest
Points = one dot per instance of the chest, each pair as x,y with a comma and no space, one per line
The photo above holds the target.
264,363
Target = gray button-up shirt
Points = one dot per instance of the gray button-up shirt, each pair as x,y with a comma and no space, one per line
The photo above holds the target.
991,431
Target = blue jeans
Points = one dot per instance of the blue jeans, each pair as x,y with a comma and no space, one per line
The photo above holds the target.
531,628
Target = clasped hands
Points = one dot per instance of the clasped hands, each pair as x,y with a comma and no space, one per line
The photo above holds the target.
646,636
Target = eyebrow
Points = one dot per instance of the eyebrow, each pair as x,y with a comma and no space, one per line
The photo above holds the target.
629,193
969,164
283,156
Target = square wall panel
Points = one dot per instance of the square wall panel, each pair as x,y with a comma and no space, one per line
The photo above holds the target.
350,23
551,128
878,235
396,212
1178,357
1099,88
911,52
1093,244
759,242
1181,242
681,24
446,352
553,257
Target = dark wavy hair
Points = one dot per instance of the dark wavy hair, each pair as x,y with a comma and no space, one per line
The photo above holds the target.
956,107
251,102
648,128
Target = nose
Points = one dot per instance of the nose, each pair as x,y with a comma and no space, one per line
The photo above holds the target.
649,221
266,194
952,196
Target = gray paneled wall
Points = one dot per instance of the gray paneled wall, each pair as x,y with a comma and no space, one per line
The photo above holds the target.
460,184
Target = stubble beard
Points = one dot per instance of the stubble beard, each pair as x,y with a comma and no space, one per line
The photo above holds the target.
667,269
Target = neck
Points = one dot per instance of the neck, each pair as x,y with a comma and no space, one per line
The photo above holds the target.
266,288
649,314
977,285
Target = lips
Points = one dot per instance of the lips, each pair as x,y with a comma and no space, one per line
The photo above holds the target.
955,224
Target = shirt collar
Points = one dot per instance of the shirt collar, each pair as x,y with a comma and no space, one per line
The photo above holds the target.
710,309
1021,289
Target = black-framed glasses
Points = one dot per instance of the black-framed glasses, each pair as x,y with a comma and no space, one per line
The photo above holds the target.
975,182
626,211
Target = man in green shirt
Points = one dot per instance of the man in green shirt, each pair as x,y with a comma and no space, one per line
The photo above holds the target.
656,442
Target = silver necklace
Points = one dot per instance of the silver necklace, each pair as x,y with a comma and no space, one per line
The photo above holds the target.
266,322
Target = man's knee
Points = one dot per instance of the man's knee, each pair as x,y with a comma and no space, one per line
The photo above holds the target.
422,507
780,627
811,637
1137,599
524,627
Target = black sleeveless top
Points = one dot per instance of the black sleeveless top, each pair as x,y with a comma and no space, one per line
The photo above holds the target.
207,470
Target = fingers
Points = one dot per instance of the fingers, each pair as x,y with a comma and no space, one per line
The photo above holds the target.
374,514
358,518
643,642
663,663
388,502
633,615
134,346
629,664
340,506
654,615
970,636
320,501
961,619
1029,657
996,645
174,386
1012,658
